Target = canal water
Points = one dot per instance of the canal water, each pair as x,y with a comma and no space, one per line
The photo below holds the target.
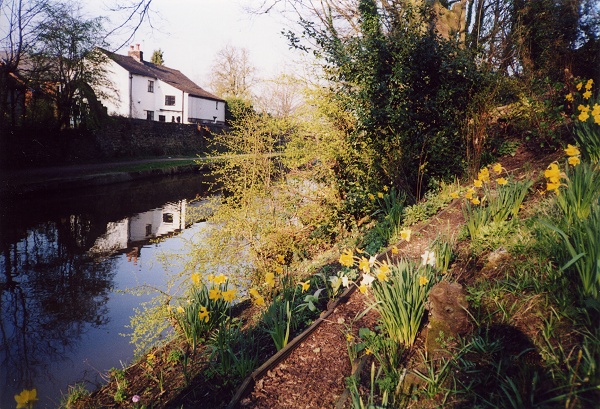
66,263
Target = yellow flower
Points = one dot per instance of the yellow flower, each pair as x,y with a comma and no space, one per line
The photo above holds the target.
596,110
211,278
405,234
279,269
254,292
589,83
363,289
569,97
305,285
454,195
423,280
368,351
583,108
579,85
587,94
395,250
280,259
469,194
229,295
259,301
220,279
380,195
574,160
203,314
501,181
347,258
497,168
26,398
196,279
381,275
214,294
371,197
475,201
552,186
385,188
597,119
552,173
484,175
270,279
150,357
180,309
363,264
349,337
583,116
572,150
477,183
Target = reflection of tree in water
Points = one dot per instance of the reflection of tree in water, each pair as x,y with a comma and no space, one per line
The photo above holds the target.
50,291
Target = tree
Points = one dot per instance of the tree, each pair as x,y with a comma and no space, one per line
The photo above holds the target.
68,65
157,57
232,74
18,35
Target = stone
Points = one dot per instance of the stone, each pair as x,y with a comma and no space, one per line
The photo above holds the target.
448,316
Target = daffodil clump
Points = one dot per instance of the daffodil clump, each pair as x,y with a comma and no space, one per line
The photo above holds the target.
26,399
205,306
586,121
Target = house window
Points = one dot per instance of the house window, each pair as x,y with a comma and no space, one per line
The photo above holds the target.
150,86
169,99
216,105
150,115
162,118
168,218
148,230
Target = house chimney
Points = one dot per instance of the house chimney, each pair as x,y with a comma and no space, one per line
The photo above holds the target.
136,53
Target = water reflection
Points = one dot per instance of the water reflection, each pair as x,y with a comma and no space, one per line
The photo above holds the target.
62,258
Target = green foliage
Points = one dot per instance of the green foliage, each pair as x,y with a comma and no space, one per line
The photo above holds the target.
580,194
401,300
277,320
74,394
586,124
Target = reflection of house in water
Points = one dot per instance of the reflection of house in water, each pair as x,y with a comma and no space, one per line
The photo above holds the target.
130,234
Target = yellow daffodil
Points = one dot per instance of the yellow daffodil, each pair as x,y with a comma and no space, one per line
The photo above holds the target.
380,195
381,275
280,259
578,86
229,295
279,269
574,160
385,188
469,194
423,280
583,116
270,279
454,195
484,175
569,97
384,268
589,83
371,196
405,234
211,278
596,110
497,168
475,201
196,279
347,258
214,294
501,181
572,150
583,108
363,289
220,279
305,285
259,301
254,292
395,250
363,264
552,173
26,398
180,309
597,119
552,186
477,183
203,314
587,94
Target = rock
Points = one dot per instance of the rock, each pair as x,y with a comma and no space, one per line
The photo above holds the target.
448,317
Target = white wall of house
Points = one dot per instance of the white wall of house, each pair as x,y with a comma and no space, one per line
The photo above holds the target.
118,103
205,109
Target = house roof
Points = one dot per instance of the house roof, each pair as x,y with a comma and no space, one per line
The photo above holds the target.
169,75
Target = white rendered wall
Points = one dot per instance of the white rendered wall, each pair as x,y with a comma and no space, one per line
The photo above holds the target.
206,109
118,103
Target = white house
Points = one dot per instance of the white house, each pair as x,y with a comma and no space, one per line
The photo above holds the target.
158,93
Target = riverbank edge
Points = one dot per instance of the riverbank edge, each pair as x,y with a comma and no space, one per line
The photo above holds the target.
41,181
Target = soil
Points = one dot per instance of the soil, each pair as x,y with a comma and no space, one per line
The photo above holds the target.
314,373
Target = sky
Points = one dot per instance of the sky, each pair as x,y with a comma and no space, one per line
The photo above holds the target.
191,32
